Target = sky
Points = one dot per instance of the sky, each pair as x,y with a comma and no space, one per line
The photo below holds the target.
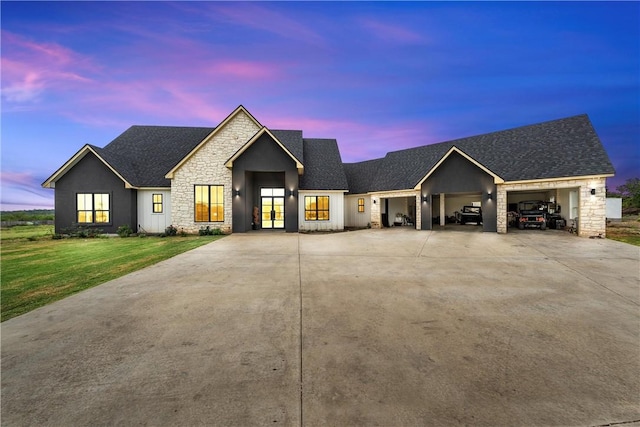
376,76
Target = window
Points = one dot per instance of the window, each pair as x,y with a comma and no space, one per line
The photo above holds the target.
361,204
93,208
316,208
209,203
157,203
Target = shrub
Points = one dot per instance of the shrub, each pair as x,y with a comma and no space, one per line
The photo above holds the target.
170,231
124,231
208,231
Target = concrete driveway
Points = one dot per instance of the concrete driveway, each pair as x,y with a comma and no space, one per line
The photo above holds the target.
377,327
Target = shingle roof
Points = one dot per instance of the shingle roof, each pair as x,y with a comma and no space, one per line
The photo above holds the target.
555,149
144,154
323,169
360,176
292,140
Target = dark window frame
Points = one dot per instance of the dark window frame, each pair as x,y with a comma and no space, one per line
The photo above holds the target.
360,204
314,214
93,211
219,205
155,204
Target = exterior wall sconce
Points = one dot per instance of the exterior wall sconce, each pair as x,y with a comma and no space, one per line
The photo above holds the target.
291,193
237,193
593,191
489,196
375,201
425,198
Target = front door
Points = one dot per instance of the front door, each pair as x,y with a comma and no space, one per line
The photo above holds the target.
272,207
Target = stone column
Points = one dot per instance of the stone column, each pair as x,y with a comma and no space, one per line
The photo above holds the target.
501,209
376,221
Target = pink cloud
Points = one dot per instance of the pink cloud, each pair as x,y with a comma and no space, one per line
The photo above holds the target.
19,189
30,69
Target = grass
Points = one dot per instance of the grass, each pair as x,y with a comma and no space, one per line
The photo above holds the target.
37,270
627,230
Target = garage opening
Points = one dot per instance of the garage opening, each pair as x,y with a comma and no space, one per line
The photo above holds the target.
543,209
456,211
398,211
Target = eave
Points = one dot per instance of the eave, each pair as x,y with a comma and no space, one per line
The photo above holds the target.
209,137
75,159
454,149
254,138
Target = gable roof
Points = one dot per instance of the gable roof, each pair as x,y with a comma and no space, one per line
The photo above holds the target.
141,155
560,148
323,168
293,143
238,110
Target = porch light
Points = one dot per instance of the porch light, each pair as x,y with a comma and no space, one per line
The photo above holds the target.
291,193
593,191
237,193
425,198
375,201
489,196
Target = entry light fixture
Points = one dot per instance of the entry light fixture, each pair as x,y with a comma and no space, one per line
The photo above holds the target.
237,193
375,201
489,196
425,198
291,193
593,191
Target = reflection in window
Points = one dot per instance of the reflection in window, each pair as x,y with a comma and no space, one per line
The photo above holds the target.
209,203
316,208
92,208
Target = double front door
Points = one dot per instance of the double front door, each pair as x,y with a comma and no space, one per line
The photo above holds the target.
272,207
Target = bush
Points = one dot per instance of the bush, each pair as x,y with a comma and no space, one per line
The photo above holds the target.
124,231
208,231
170,231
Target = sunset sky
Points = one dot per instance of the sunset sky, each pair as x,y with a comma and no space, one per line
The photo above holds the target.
377,76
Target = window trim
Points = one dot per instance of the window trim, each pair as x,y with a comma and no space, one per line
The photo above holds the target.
360,205
154,204
209,204
316,211
93,210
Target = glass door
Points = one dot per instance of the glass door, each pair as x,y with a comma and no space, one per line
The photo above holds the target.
272,207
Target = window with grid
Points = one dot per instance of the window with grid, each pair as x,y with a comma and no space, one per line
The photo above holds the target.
361,204
157,203
209,203
316,208
93,208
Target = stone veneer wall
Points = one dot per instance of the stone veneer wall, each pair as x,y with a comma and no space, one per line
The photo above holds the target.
592,219
206,167
376,216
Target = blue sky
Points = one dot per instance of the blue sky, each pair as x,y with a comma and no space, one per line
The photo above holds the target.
377,76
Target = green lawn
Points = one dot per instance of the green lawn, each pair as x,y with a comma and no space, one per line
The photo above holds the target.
37,270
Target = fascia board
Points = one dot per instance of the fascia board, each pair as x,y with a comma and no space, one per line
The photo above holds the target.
254,138
208,138
50,182
496,178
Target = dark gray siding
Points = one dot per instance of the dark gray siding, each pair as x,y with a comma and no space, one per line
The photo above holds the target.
90,175
263,164
458,175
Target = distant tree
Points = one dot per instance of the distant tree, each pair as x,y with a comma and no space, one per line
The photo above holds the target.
630,192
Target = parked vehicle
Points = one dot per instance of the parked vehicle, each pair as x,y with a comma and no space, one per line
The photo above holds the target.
470,214
532,213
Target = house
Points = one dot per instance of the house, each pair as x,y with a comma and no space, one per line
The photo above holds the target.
241,176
